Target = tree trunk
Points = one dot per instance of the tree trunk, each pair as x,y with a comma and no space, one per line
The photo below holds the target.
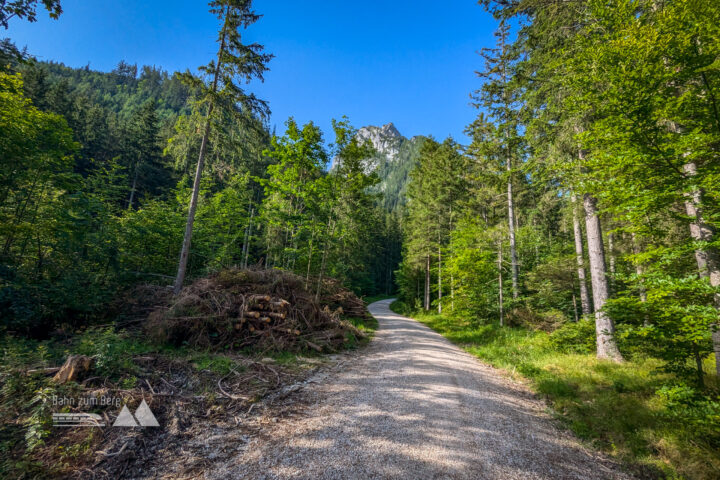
575,309
132,189
611,255
439,281
324,259
249,238
604,326
417,287
708,260
185,250
310,254
452,292
577,230
426,302
511,225
639,270
500,283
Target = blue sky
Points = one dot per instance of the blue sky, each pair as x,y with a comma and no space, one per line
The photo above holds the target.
407,62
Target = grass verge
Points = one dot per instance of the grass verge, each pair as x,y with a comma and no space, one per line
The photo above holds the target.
650,420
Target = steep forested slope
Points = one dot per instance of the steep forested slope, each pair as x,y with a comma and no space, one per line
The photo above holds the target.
395,156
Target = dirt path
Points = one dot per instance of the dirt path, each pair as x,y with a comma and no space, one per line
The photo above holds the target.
415,406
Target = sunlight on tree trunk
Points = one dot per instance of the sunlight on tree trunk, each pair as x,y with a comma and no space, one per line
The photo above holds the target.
604,325
580,258
708,260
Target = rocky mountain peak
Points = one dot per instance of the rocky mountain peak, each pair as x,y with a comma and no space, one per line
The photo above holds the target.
389,130
386,139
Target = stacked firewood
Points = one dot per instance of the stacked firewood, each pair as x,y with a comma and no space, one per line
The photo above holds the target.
263,313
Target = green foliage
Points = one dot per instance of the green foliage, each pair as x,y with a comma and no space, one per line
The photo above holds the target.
435,190
38,422
27,9
111,350
626,409
220,364
575,337
701,413
320,223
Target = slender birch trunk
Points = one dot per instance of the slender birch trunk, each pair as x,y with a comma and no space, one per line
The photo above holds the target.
639,269
580,257
185,250
611,263
132,189
604,325
249,238
324,259
575,306
452,292
310,254
245,242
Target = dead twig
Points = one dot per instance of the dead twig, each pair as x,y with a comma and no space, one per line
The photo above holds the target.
105,454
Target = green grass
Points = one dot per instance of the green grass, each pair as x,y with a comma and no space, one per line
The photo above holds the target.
616,407
366,325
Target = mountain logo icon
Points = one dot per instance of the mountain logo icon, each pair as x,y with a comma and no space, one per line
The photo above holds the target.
143,417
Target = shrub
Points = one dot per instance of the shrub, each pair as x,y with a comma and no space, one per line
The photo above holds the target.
574,337
546,321
698,412
111,350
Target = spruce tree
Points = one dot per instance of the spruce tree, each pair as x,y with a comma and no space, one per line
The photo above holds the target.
235,62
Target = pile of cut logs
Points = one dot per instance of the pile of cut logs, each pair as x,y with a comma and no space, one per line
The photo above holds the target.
351,305
264,313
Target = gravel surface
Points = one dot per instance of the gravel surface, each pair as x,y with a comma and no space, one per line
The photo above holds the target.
414,406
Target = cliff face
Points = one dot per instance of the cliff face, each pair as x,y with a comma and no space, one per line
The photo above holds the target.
396,156
386,139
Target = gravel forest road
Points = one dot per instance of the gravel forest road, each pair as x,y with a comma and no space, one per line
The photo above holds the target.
414,406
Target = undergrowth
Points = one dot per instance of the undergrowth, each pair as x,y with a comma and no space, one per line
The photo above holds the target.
26,392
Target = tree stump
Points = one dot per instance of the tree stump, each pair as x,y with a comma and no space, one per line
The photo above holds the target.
75,366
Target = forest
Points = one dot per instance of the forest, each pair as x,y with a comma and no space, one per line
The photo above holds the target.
587,208
573,240
98,170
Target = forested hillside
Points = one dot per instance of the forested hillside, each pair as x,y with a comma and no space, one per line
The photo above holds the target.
124,145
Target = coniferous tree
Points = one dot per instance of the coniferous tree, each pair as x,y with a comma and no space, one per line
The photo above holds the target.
144,155
499,97
234,61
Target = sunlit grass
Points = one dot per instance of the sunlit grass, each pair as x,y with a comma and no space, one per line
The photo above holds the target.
612,406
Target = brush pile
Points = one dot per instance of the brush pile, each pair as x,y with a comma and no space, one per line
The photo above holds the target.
340,299
265,309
